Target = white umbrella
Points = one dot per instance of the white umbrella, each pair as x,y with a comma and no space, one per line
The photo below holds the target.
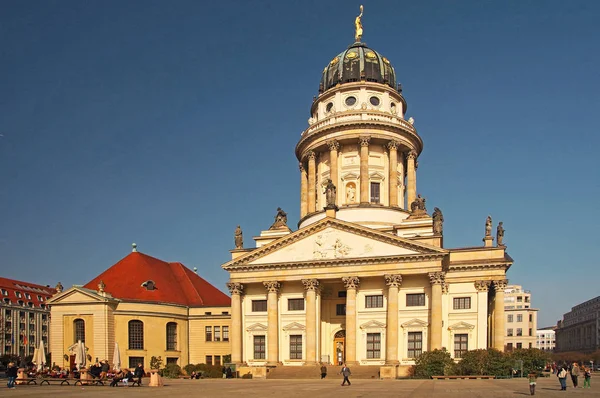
41,357
83,355
117,357
35,356
79,355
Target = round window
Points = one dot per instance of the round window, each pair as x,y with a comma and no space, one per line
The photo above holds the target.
350,101
329,107
375,101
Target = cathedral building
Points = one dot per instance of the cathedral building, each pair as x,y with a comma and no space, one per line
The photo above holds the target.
365,279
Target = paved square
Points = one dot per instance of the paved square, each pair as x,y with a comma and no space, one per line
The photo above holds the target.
547,387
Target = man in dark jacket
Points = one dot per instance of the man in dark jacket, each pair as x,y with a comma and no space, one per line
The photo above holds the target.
11,373
346,373
105,368
139,373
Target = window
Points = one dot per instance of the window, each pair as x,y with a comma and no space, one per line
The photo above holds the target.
134,361
136,335
208,333
415,344
530,317
217,330
374,192
225,333
462,303
259,347
18,294
296,346
519,317
329,107
4,292
530,345
40,298
374,101
7,301
343,294
217,360
259,305
296,304
519,332
374,301
461,345
208,360
28,296
373,345
350,101
510,318
415,300
519,345
530,331
509,332
79,330
340,309
171,360
519,299
171,336
509,347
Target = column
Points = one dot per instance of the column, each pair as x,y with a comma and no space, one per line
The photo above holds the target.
236,289
351,283
393,174
482,288
311,286
272,322
393,282
364,169
303,190
411,178
401,187
312,181
334,146
437,279
499,287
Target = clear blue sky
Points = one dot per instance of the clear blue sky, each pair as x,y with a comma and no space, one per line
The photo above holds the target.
169,123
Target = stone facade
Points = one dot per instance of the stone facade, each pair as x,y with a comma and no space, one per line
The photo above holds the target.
521,318
579,329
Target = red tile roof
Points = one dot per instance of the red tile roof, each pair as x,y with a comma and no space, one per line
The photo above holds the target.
174,283
11,289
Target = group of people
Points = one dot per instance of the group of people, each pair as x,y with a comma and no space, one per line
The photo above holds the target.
345,372
574,370
126,376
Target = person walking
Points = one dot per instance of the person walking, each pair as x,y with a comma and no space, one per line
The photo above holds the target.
139,373
323,371
346,373
532,382
11,374
575,374
587,377
562,378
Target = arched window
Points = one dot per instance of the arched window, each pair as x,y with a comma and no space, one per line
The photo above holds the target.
171,336
136,335
79,330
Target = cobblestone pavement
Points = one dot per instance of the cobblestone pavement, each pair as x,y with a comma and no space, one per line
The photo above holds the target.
329,387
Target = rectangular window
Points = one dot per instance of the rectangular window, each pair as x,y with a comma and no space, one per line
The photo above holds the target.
259,305
373,345
509,332
415,344
509,347
296,346
519,345
171,336
519,299
530,317
510,318
171,360
530,332
519,318
519,332
208,333
462,303
461,345
133,361
530,345
208,360
296,304
225,333
374,301
375,192
136,335
217,331
27,296
259,347
415,300
217,360
340,309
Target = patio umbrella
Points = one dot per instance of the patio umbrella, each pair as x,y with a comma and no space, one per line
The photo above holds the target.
35,356
41,357
117,357
83,355
79,355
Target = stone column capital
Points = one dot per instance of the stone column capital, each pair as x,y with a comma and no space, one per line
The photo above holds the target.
411,154
392,145
364,140
311,284
500,285
437,278
301,167
445,287
272,286
393,280
235,288
311,155
351,282
333,145
482,286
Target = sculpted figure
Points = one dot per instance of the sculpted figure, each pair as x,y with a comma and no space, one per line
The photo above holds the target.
280,219
438,221
488,226
358,26
330,194
500,234
350,194
239,238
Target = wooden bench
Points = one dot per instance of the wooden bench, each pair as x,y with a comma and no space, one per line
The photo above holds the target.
462,377
90,382
29,380
55,380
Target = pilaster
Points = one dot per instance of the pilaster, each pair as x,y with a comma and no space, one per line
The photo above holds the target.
303,190
312,181
272,322
482,288
499,286
364,169
393,174
311,286
236,289
411,177
351,283
334,147
393,283
437,280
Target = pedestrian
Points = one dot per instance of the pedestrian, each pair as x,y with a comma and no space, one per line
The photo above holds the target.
11,373
346,373
323,371
575,374
224,371
532,382
139,373
562,378
587,377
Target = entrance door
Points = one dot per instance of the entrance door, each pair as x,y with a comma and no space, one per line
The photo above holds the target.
339,347
71,362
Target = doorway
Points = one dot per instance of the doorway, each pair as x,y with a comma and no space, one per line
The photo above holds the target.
339,347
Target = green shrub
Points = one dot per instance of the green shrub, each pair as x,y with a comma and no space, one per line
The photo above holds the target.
212,371
156,362
434,363
189,368
172,371
490,362
534,360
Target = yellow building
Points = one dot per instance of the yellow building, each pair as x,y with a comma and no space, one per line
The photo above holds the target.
150,308
366,278
521,319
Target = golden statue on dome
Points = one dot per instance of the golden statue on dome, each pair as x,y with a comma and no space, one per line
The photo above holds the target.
358,26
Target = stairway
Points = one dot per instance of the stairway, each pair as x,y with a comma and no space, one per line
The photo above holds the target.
314,372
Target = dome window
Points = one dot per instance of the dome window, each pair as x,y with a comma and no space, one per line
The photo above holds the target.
350,101
374,101
329,107
149,285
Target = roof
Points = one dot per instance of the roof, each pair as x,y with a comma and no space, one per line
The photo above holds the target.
174,283
30,294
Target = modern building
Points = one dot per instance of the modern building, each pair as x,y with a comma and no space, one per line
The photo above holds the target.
579,329
546,338
150,308
24,316
366,278
521,319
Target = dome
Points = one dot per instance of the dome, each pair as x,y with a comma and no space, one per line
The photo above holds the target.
357,63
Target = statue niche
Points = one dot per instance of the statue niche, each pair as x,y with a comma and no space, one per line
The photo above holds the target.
350,193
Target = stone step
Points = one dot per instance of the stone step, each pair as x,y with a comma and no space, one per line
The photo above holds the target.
314,372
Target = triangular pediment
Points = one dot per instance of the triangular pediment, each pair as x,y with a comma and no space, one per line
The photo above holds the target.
294,326
331,239
415,323
78,295
257,327
373,325
461,326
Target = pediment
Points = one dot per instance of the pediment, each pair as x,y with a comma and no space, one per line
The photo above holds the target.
257,327
414,323
78,295
294,326
331,239
373,325
461,326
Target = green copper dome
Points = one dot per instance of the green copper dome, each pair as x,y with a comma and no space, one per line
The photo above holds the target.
357,63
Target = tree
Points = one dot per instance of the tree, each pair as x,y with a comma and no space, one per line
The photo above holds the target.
534,360
156,362
434,363
490,362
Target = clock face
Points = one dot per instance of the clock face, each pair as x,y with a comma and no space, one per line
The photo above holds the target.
350,101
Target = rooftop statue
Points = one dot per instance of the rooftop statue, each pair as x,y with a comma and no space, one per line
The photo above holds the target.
488,226
417,207
239,238
330,194
500,235
280,220
358,26
438,221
